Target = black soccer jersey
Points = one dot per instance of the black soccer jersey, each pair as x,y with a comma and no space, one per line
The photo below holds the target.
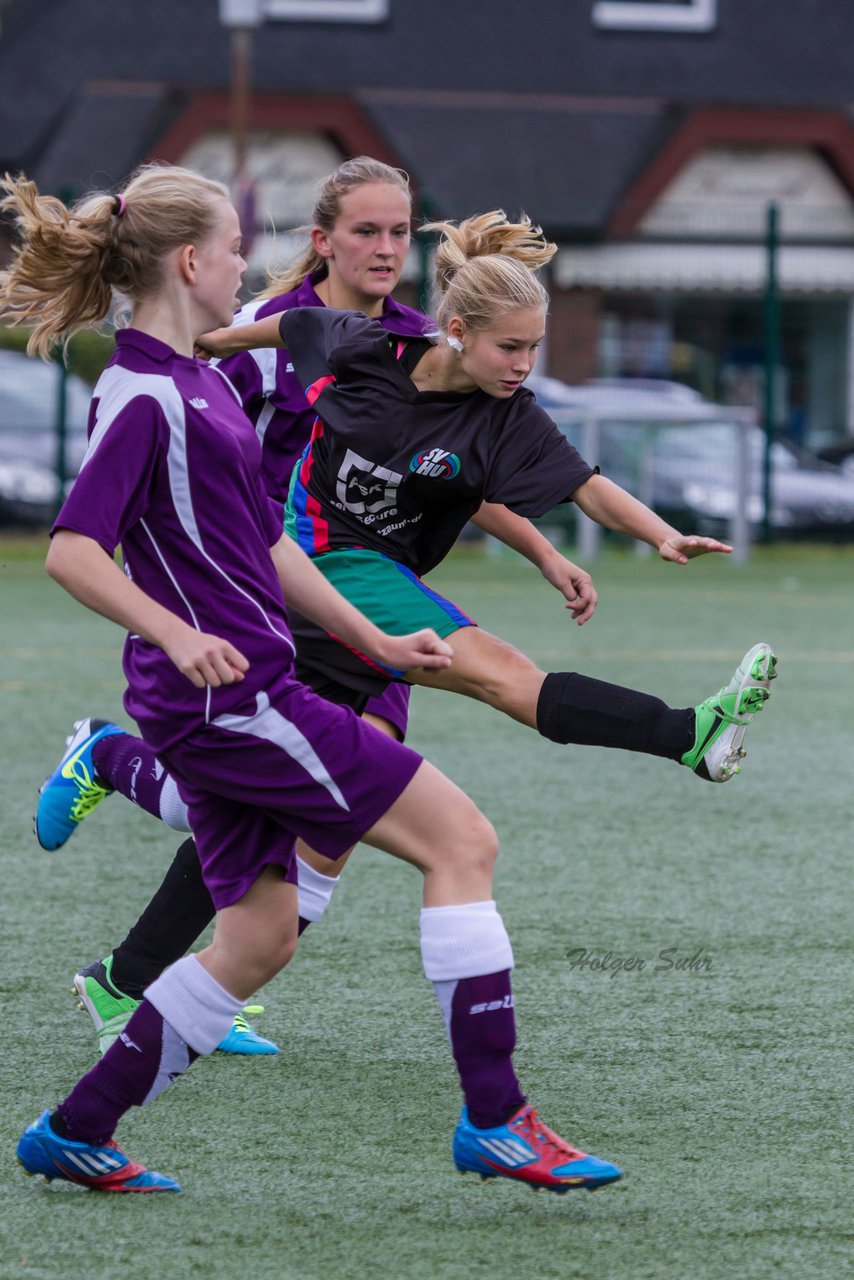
400,470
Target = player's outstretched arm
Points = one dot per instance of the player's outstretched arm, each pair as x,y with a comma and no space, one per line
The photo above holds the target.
240,337
609,505
83,568
307,590
573,582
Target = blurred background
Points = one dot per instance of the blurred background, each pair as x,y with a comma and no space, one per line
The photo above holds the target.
693,159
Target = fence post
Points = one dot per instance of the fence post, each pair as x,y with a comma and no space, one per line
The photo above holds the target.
589,532
772,359
61,431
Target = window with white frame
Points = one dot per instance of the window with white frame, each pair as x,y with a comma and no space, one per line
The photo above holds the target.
656,15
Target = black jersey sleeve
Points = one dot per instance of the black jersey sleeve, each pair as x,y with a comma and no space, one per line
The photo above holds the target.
323,342
532,466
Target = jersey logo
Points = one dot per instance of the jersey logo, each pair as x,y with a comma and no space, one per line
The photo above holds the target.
438,464
199,403
365,488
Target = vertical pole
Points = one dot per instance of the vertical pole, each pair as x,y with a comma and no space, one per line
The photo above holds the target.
61,431
427,215
772,360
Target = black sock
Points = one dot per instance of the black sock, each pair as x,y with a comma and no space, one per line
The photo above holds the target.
170,924
575,708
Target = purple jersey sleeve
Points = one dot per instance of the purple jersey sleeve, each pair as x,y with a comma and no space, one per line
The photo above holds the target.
533,467
128,451
245,376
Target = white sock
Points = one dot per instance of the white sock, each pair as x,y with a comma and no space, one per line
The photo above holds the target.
314,891
464,941
193,1003
173,811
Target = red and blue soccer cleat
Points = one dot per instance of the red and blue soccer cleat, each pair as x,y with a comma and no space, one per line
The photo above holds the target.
105,1168
528,1151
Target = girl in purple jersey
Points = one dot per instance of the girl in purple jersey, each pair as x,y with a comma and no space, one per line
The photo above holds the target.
208,659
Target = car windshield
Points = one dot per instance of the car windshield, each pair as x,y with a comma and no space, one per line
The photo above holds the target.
703,444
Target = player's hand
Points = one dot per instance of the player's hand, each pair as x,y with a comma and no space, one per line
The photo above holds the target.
680,549
420,649
218,343
205,659
574,583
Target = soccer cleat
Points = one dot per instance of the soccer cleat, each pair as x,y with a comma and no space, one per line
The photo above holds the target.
110,1010
103,1168
73,790
108,1007
723,720
526,1150
244,1039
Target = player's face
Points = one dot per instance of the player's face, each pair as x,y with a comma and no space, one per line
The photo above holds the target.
220,268
367,246
500,358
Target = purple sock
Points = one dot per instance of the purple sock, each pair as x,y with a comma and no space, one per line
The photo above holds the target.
130,767
145,1059
482,1028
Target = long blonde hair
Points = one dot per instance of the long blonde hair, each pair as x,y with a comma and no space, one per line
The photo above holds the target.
358,172
69,261
485,267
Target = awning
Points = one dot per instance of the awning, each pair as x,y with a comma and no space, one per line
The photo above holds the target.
717,268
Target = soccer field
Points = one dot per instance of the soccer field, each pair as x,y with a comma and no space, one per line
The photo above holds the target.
715,1074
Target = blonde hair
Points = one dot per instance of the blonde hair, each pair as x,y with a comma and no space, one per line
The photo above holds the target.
485,267
64,271
358,172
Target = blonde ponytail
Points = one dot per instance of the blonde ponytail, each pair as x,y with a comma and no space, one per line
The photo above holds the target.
485,267
69,262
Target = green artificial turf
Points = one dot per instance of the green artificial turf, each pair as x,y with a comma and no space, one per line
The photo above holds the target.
720,1086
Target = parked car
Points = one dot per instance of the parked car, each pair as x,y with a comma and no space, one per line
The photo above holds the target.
29,400
679,453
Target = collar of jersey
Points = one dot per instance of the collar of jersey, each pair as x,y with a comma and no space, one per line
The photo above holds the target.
149,346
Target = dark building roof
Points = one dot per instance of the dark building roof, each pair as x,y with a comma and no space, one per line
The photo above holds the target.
485,102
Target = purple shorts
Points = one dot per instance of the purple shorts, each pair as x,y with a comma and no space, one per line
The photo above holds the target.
278,768
392,705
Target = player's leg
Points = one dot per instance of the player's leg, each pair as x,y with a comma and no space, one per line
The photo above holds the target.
109,990
468,958
187,1010
567,707
101,758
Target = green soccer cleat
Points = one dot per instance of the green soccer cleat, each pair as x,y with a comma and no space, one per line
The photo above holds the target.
723,720
108,1007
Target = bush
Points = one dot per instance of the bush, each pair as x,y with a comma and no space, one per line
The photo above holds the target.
88,351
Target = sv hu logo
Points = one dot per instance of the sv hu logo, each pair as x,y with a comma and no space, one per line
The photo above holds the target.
438,464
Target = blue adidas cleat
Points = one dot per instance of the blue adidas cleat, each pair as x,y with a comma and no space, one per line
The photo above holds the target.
73,790
106,1168
244,1039
526,1150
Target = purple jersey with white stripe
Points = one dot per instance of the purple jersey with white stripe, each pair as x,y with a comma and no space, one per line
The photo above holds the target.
173,474
271,393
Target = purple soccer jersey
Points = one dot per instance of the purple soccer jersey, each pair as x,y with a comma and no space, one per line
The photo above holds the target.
170,452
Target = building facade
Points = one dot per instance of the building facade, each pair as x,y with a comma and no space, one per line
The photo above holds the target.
677,150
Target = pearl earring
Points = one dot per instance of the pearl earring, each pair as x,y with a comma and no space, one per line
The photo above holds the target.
455,343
